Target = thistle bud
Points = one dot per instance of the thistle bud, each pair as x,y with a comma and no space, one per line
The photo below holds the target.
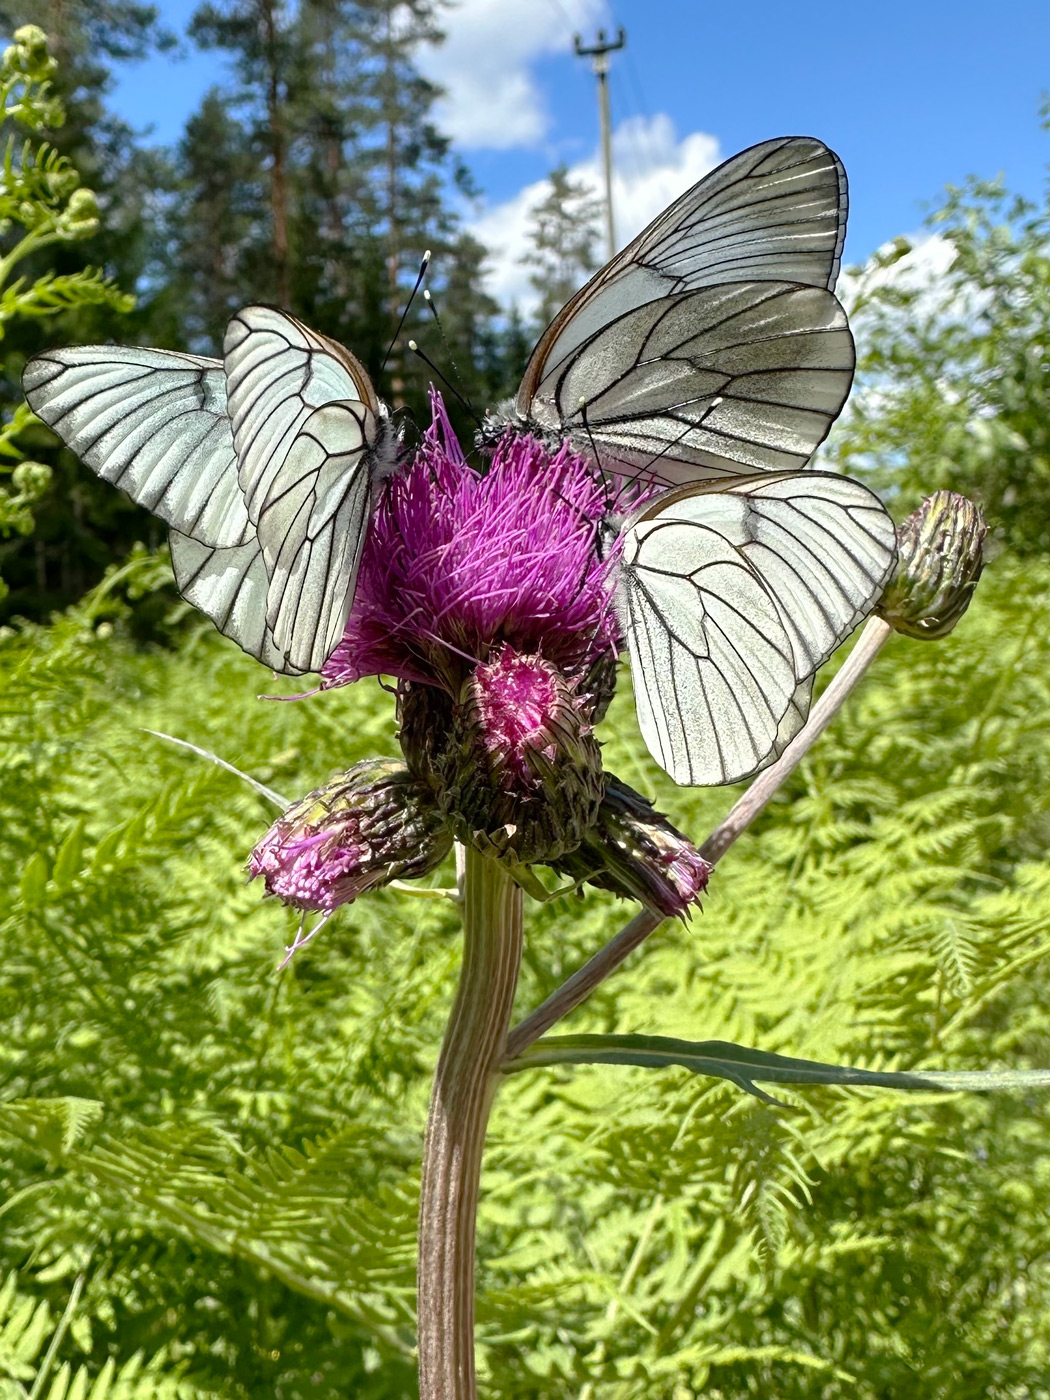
634,851
939,561
511,759
373,824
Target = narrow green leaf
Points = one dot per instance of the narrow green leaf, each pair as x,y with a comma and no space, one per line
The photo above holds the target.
743,1066
70,857
34,881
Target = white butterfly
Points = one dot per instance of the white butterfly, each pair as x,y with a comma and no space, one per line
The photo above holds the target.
711,356
263,464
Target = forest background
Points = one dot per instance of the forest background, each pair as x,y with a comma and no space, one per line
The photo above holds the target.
208,1172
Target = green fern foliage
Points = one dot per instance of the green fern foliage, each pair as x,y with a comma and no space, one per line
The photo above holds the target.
228,1156
29,1341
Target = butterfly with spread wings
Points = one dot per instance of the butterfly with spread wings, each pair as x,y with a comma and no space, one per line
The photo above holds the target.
262,463
710,358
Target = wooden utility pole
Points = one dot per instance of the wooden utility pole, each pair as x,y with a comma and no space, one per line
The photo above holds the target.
599,54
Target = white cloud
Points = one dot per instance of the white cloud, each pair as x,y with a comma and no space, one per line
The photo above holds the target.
651,167
492,99
921,269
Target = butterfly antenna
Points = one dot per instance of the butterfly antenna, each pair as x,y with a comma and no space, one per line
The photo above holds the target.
594,445
408,304
429,299
648,467
444,379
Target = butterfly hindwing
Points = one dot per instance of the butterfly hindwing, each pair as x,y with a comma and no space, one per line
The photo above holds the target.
746,377
314,522
732,596
229,586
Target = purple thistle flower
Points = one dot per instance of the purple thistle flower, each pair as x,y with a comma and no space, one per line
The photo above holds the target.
488,594
370,825
458,562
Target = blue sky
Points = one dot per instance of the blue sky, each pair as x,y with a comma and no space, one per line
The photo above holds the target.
912,96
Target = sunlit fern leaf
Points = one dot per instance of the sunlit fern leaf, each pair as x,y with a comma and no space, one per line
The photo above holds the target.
957,955
52,1127
31,1338
287,1213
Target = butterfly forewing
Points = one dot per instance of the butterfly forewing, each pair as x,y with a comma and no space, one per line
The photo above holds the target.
277,372
776,212
733,595
152,422
307,432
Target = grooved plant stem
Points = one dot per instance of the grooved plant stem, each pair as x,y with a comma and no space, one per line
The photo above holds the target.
464,1086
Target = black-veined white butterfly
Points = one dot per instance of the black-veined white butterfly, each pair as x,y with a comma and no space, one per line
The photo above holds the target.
711,357
263,464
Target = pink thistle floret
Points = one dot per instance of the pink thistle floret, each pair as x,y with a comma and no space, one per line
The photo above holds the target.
459,561
687,874
516,698
364,828
317,871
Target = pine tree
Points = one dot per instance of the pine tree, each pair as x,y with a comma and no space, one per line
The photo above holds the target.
260,35
79,522
564,235
217,254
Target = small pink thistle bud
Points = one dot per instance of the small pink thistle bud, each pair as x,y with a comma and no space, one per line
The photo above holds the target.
371,825
512,759
634,851
939,560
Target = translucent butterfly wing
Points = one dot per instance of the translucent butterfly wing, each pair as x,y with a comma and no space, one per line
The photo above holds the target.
747,377
775,212
315,516
229,586
152,422
307,430
277,372
731,599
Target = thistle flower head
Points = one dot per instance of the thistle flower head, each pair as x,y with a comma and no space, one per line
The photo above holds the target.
370,825
939,560
511,759
460,562
634,851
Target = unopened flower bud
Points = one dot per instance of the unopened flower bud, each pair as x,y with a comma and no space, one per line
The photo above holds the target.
634,851
512,759
939,559
31,479
373,824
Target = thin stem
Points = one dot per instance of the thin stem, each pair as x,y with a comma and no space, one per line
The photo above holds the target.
580,985
743,813
464,1085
